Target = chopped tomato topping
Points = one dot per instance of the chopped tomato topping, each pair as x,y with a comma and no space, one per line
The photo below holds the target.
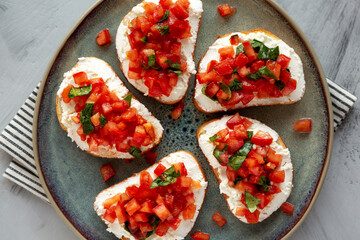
103,37
303,125
219,219
159,169
175,114
162,211
277,176
287,208
262,138
200,236
189,212
107,172
234,40
226,10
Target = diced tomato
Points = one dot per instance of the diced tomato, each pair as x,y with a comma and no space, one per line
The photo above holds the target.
243,71
129,115
212,89
257,64
226,52
303,125
224,67
226,10
65,94
176,112
145,179
287,208
289,87
132,206
283,61
159,169
262,138
179,11
234,40
139,136
222,135
249,50
269,166
195,184
240,131
121,214
189,212
252,217
273,189
162,229
184,182
277,176
254,179
231,173
274,158
95,119
162,211
242,186
107,171
257,156
234,144
205,78
180,167
103,37
150,157
222,95
174,223
159,199
243,171
240,211
133,225
110,201
146,227
140,217
285,76
241,60
234,120
219,219
110,215
166,3
80,78
81,133
146,207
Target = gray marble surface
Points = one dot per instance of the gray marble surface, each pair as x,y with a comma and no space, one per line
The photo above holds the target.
30,32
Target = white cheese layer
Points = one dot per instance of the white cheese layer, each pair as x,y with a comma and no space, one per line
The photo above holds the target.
186,225
295,67
97,68
187,49
234,195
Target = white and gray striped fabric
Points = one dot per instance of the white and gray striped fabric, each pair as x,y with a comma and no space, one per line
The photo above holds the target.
16,139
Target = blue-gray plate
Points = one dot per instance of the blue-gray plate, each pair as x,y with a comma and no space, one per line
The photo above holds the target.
72,178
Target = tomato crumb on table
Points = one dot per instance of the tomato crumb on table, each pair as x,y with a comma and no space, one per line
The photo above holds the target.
303,125
226,10
103,37
176,113
200,236
219,219
107,171
150,157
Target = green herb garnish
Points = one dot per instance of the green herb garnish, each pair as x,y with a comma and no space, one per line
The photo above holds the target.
251,201
144,39
128,99
239,49
263,51
103,121
254,76
82,91
235,85
136,152
235,161
214,137
217,152
246,148
226,89
264,182
263,71
166,15
85,120
203,91
280,84
167,177
151,60
177,72
163,29
173,66
154,221
237,180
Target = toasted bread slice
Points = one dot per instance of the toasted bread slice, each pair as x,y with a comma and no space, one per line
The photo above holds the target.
187,50
231,194
207,105
194,171
97,68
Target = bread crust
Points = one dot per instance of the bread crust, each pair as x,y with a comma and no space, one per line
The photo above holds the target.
198,133
188,80
137,174
59,112
196,103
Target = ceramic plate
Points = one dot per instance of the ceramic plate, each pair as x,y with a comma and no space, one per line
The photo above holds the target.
72,177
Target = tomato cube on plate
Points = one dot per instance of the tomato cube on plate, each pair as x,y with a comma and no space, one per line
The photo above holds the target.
107,172
303,125
226,10
175,114
103,37
200,236
220,220
287,208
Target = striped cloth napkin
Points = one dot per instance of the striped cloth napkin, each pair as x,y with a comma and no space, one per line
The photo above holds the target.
16,139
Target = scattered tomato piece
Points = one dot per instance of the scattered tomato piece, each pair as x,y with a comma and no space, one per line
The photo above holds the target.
303,125
226,10
107,172
219,219
200,236
103,37
175,114
287,208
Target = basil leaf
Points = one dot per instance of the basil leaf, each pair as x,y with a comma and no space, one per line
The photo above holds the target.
250,135
245,149
251,201
256,44
280,84
144,66
235,85
237,180
154,221
173,66
239,49
235,70
203,91
151,60
166,15
166,178
82,91
103,121
214,137
264,182
264,71
236,161
144,39
263,51
136,152
85,120
177,72
128,99
163,29
254,76
226,89
217,152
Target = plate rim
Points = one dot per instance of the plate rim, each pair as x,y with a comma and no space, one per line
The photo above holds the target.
324,86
